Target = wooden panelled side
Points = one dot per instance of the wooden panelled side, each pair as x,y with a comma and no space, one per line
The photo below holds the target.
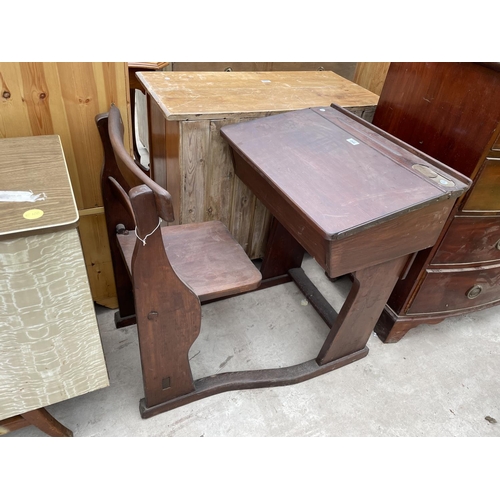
260,230
193,151
371,75
241,214
220,177
63,99
210,189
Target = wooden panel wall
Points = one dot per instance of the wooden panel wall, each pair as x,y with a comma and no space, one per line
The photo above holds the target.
63,99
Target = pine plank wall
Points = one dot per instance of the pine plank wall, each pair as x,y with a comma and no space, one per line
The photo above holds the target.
63,99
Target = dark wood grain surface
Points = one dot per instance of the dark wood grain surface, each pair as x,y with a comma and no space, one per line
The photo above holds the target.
200,254
327,167
471,287
358,200
432,106
470,240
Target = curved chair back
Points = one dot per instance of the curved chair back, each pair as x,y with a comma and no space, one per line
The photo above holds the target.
126,163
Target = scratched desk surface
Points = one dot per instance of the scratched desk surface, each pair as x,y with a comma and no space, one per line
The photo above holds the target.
308,156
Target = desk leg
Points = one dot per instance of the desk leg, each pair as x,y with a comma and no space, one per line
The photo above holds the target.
364,305
283,252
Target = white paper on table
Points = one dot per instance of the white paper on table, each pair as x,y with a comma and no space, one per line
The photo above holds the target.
21,196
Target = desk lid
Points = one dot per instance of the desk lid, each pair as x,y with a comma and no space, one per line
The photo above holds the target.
35,188
342,172
220,94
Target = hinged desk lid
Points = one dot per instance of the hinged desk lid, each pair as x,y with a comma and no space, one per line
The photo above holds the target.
35,188
341,171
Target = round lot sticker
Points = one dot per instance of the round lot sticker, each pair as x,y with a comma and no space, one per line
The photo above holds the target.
35,213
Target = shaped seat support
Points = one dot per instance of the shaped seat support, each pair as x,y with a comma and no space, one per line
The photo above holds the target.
162,273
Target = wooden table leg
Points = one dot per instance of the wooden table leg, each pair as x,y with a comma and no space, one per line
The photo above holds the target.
361,310
42,419
283,252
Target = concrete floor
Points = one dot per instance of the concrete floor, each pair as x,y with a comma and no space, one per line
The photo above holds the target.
439,380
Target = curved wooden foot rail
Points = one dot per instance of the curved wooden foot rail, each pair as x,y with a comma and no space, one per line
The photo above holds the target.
250,379
346,342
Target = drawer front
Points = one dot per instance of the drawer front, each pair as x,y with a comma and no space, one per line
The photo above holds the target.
454,291
470,240
485,194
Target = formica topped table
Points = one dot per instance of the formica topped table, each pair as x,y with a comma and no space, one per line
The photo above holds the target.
50,347
188,157
357,199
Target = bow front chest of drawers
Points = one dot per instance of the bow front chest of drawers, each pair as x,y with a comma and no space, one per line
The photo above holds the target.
450,111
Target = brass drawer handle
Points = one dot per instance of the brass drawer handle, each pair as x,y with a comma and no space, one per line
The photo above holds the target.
228,69
497,245
474,291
